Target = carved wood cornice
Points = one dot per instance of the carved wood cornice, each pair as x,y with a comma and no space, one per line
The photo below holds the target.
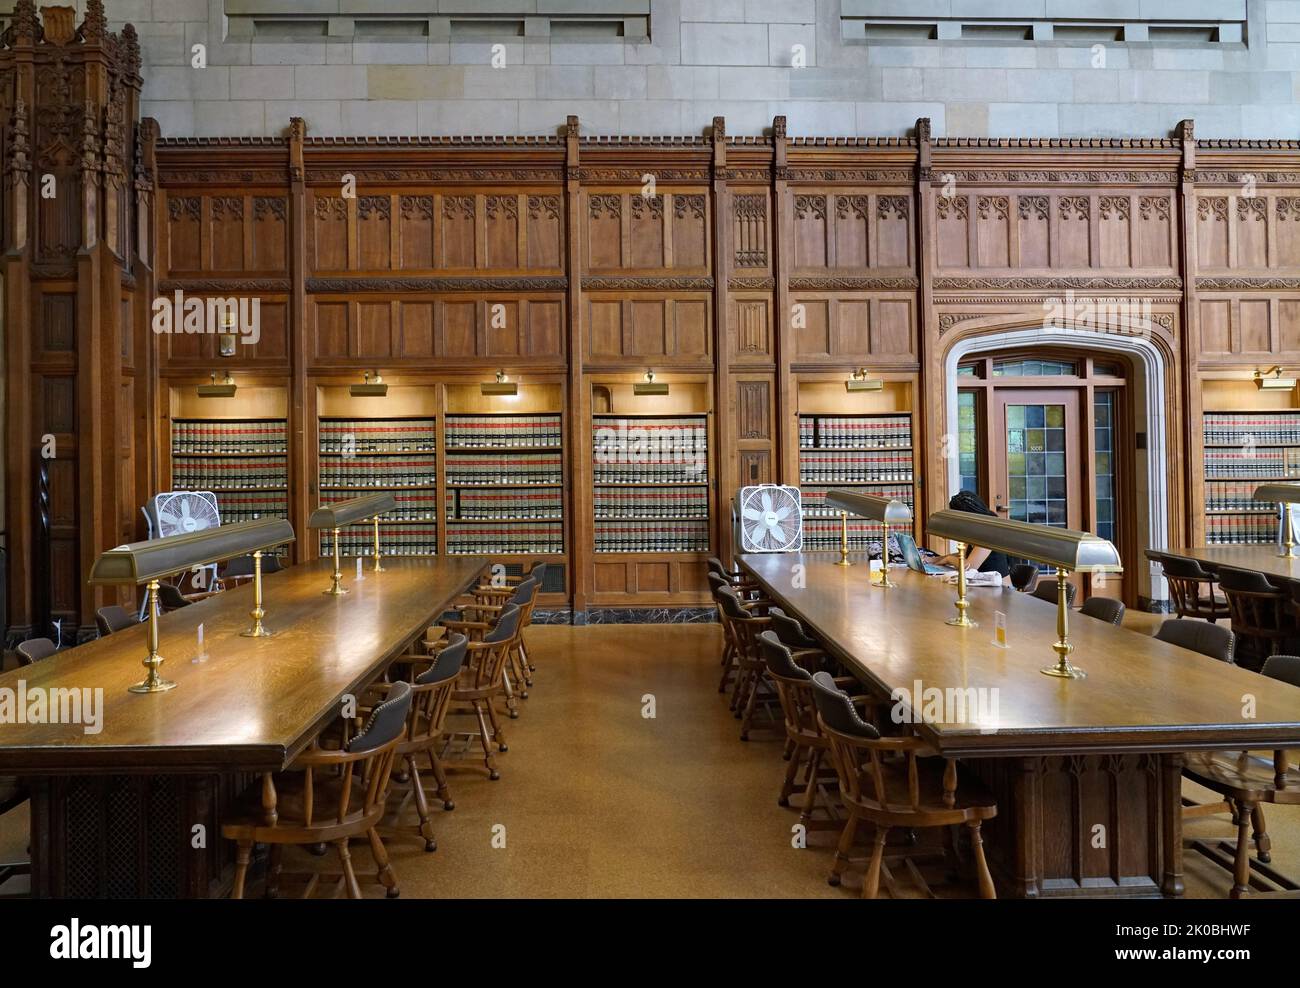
345,285
1051,176
668,283
849,283
760,284
949,321
852,176
1034,299
1246,283
1060,283
226,286
432,175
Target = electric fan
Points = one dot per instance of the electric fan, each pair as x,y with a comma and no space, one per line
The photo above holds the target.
182,512
770,519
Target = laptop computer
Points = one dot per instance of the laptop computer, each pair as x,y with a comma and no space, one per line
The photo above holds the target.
912,556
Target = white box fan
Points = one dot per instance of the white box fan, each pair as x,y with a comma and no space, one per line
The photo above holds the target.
768,518
182,512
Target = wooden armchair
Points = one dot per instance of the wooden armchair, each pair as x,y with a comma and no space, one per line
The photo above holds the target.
1248,780
753,690
885,782
326,797
1260,612
34,650
1192,587
432,680
481,680
483,609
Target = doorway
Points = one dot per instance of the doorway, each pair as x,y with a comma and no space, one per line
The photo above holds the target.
1040,441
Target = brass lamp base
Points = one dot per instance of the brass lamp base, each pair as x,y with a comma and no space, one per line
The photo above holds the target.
843,561
1063,670
336,578
156,685
153,683
258,630
844,540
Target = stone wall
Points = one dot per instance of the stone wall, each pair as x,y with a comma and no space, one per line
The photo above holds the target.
984,68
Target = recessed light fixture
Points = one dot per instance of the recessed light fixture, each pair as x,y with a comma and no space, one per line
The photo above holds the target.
860,382
500,386
370,389
649,387
226,389
1272,380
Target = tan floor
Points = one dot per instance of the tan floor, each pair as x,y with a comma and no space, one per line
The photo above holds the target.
597,800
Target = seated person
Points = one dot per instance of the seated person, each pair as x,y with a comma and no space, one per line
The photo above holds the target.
977,557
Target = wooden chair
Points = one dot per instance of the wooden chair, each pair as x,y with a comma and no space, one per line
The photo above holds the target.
113,618
1046,590
12,795
895,792
432,680
1259,612
537,573
326,797
1024,577
1213,640
171,599
1248,781
34,649
1192,587
1106,609
241,568
481,678
483,608
753,690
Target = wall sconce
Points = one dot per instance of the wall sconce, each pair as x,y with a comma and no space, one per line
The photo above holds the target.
1272,380
226,389
649,387
370,389
859,381
500,386
227,340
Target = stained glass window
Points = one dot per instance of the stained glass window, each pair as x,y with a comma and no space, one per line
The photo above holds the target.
968,440
1034,368
1104,439
1036,464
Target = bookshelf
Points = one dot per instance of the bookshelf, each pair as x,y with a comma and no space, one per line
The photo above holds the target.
861,441
503,488
650,480
373,445
1243,448
505,483
238,448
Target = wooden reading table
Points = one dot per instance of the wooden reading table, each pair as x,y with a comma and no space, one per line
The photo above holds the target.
114,814
1064,756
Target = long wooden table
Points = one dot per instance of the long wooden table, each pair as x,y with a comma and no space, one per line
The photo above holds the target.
114,813
1259,558
1064,756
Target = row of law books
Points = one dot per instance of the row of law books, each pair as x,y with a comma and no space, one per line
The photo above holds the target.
1260,463
676,470
206,473
814,499
855,432
850,468
534,539
1233,496
651,536
253,436
492,469
394,540
236,507
613,434
687,502
378,474
819,535
345,436
1243,428
503,431
1241,529
483,505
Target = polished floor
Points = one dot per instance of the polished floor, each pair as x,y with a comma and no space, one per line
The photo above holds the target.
597,799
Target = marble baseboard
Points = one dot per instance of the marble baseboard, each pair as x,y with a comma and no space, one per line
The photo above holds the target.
1155,606
628,615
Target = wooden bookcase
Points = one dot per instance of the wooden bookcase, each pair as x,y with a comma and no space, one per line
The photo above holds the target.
1248,437
652,499
858,441
238,448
